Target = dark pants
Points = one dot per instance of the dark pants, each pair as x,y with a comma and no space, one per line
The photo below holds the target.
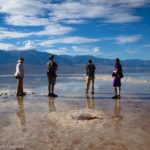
19,86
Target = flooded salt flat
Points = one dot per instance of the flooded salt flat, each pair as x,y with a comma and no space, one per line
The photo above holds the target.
38,82
74,120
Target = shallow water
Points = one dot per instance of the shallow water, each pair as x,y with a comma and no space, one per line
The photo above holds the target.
74,120
38,82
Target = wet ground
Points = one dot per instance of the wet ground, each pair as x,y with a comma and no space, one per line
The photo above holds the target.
76,121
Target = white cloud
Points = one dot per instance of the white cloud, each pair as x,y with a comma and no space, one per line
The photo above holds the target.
76,50
77,10
127,39
122,18
131,51
86,50
12,34
133,3
96,50
28,45
24,13
59,51
69,40
111,12
51,29
55,29
123,3
74,21
25,45
19,20
7,46
22,7
34,13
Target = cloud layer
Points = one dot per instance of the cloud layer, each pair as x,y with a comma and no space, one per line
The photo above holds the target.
34,13
48,23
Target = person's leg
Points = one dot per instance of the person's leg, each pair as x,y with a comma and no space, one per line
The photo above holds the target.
53,94
87,84
92,85
49,89
21,85
53,86
119,88
115,90
49,86
119,91
17,88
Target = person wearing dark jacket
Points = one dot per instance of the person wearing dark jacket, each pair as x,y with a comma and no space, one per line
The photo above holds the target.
90,76
51,73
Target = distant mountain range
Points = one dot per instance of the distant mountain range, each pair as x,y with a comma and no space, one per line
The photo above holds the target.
35,62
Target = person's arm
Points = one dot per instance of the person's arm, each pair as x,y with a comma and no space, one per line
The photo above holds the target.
115,69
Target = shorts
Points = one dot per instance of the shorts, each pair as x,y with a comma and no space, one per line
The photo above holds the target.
89,78
51,80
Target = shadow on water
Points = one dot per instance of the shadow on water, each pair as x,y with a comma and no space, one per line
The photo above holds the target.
117,116
51,102
21,112
90,101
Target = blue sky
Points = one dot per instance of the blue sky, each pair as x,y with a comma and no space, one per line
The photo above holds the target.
108,29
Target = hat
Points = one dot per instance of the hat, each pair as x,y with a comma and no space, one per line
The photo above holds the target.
51,57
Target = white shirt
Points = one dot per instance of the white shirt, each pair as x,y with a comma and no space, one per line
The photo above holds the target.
19,69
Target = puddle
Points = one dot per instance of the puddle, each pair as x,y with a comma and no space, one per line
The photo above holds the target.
86,117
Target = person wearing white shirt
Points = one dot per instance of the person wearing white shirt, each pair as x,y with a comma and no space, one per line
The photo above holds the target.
19,74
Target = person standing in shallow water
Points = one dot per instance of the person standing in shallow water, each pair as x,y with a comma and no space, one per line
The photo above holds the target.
117,75
51,73
90,76
19,75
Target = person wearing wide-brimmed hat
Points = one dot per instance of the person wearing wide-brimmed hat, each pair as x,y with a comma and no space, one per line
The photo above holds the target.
19,74
51,73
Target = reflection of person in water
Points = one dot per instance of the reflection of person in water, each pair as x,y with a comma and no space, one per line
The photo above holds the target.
21,112
52,104
117,113
90,101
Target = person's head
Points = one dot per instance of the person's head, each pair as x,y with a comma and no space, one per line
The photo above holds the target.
21,60
117,60
51,57
90,61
